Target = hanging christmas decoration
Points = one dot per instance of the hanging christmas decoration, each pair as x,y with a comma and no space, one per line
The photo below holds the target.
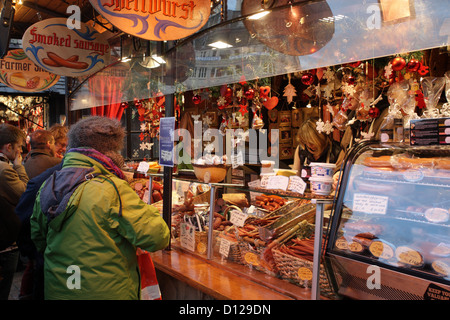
398,63
413,65
243,109
196,99
374,112
264,93
289,91
250,94
257,122
325,127
307,79
271,103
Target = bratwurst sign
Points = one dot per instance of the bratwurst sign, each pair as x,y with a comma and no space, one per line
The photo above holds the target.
71,52
157,20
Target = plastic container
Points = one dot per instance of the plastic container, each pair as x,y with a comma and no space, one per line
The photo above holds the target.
321,185
267,166
319,169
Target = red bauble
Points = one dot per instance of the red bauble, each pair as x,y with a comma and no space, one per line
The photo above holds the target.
124,105
398,63
307,79
374,112
413,65
196,99
351,80
228,93
249,94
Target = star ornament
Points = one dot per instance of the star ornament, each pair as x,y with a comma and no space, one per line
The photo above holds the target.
325,127
221,101
243,109
388,71
145,146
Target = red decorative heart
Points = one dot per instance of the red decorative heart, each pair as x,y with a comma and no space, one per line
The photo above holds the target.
271,103
264,91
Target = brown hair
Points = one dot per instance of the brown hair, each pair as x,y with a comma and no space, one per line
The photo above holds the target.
59,131
11,134
40,138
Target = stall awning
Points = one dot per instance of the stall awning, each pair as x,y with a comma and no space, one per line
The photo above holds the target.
290,38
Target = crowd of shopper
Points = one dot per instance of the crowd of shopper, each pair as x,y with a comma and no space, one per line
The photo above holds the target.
72,214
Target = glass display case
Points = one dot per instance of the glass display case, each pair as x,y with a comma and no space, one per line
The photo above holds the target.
389,236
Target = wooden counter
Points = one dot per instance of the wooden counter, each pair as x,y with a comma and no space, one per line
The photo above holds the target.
224,280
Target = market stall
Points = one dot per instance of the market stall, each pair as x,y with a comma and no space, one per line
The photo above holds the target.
224,182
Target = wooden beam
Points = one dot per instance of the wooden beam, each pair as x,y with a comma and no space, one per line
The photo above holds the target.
41,9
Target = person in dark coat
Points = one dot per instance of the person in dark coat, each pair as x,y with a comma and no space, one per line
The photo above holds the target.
32,287
42,155
13,182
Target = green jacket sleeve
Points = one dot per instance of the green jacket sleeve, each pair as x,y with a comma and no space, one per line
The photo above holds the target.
140,223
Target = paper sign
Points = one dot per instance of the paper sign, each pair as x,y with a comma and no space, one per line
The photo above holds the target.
254,183
187,236
237,218
224,248
370,203
237,160
166,141
278,183
143,167
296,184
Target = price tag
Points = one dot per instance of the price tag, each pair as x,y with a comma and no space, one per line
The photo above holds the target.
251,259
187,236
278,183
143,167
304,273
237,218
237,160
369,203
264,181
296,184
224,248
146,197
254,183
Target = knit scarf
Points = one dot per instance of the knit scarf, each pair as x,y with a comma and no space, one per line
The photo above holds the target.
101,158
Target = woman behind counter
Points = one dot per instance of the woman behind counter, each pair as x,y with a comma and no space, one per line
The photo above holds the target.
315,147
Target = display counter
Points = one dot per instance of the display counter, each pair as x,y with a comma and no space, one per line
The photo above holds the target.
218,279
245,256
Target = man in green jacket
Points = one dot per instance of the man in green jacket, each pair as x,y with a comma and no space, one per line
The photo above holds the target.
88,221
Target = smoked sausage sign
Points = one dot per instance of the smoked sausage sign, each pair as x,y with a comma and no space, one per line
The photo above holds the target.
20,73
157,20
65,51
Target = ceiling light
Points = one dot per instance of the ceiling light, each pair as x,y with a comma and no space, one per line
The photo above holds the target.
220,45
